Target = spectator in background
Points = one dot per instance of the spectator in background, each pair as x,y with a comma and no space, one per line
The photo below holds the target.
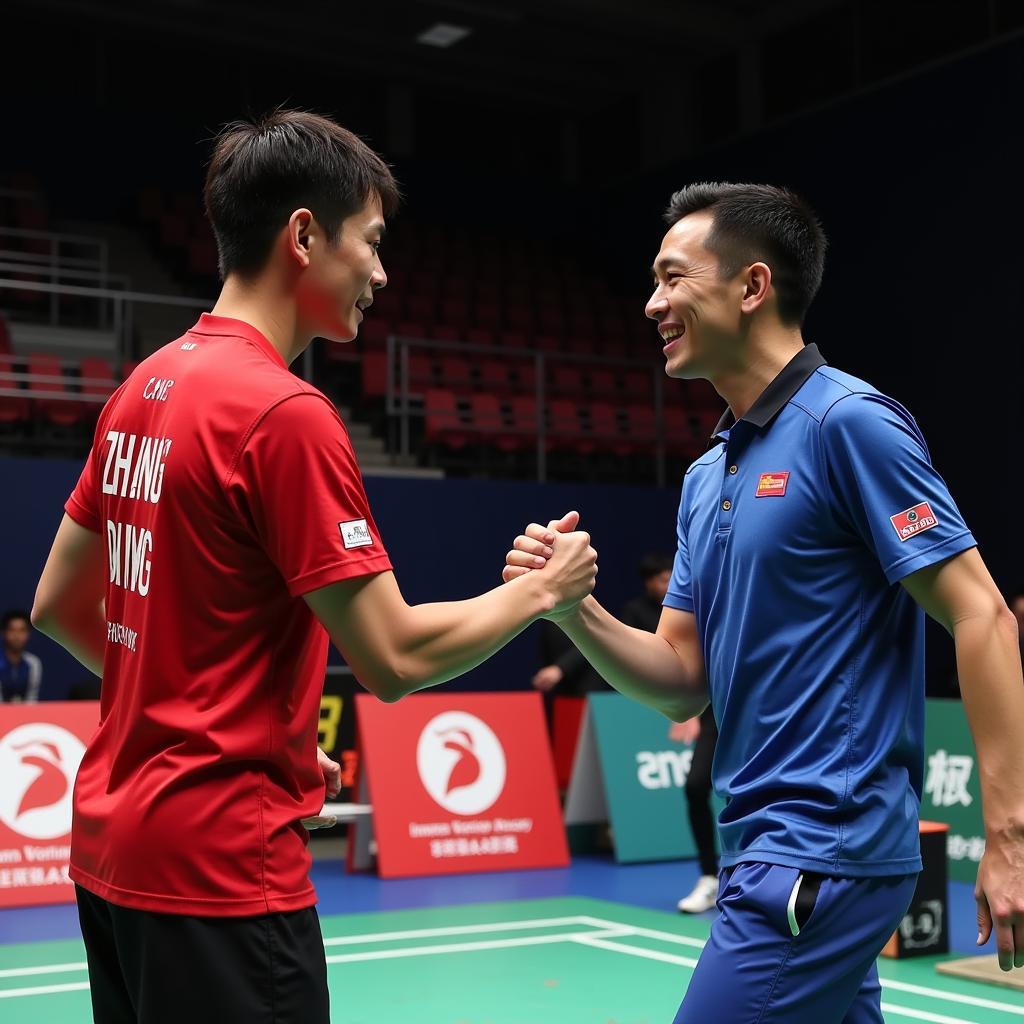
644,611
21,672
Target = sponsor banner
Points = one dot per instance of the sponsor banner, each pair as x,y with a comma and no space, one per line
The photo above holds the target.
952,792
41,747
629,773
459,783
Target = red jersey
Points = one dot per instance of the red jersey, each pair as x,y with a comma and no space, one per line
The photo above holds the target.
225,488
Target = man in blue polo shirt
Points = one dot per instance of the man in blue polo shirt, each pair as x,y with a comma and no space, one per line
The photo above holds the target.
810,536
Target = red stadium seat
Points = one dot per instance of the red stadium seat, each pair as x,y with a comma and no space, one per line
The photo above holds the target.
606,431
643,426
603,383
13,408
485,416
101,374
523,425
566,379
638,385
494,376
63,413
373,335
480,336
564,425
374,371
442,423
456,374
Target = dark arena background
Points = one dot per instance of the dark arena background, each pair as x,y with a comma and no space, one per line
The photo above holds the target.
508,373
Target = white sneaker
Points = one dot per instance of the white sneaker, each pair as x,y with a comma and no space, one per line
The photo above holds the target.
703,897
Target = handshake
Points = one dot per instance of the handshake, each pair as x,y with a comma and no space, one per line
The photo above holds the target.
563,554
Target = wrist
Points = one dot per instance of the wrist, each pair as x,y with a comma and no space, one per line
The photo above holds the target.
540,599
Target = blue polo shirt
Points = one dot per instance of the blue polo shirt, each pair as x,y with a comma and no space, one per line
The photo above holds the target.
794,532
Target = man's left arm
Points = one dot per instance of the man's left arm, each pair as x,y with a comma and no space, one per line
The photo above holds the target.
69,597
961,596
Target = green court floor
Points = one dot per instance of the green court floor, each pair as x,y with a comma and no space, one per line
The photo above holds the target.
566,961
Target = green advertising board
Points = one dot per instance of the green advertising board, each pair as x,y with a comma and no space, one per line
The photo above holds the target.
629,773
952,793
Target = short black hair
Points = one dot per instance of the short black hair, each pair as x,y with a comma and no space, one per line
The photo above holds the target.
763,223
654,564
12,615
264,169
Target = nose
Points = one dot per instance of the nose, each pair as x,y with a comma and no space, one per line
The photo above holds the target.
378,279
657,305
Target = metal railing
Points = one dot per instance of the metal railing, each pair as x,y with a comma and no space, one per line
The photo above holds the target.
61,256
120,304
399,394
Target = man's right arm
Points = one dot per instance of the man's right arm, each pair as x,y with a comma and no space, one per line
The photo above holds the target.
395,648
664,670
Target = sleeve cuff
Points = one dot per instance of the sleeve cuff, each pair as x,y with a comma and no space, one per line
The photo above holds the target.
337,572
681,602
82,516
922,559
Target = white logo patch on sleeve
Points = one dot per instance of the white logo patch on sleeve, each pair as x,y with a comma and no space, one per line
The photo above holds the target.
355,533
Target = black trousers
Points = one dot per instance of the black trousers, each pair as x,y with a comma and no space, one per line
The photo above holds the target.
150,968
698,794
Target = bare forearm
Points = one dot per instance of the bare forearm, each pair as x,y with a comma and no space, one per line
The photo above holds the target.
82,632
989,668
440,641
640,665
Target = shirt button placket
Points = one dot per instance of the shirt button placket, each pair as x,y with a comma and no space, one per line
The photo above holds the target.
728,495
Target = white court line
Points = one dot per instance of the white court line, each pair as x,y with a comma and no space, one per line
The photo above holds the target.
618,947
898,986
22,972
936,1018
472,947
600,939
462,929
955,997
650,933
45,990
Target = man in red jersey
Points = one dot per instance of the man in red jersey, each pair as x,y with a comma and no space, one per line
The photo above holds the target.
218,535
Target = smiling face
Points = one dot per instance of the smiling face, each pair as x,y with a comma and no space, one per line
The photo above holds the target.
339,281
699,312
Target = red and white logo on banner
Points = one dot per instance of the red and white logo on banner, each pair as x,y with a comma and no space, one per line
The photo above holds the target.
913,520
41,747
38,763
461,763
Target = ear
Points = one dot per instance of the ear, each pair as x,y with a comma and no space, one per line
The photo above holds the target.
299,237
756,287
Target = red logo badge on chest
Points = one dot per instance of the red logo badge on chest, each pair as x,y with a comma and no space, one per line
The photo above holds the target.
772,485
913,520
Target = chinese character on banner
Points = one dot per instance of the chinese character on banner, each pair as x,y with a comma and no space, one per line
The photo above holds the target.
948,775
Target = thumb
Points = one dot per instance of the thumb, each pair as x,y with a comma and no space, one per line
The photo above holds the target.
566,524
984,919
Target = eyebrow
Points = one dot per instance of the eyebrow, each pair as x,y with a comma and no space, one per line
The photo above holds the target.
378,227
